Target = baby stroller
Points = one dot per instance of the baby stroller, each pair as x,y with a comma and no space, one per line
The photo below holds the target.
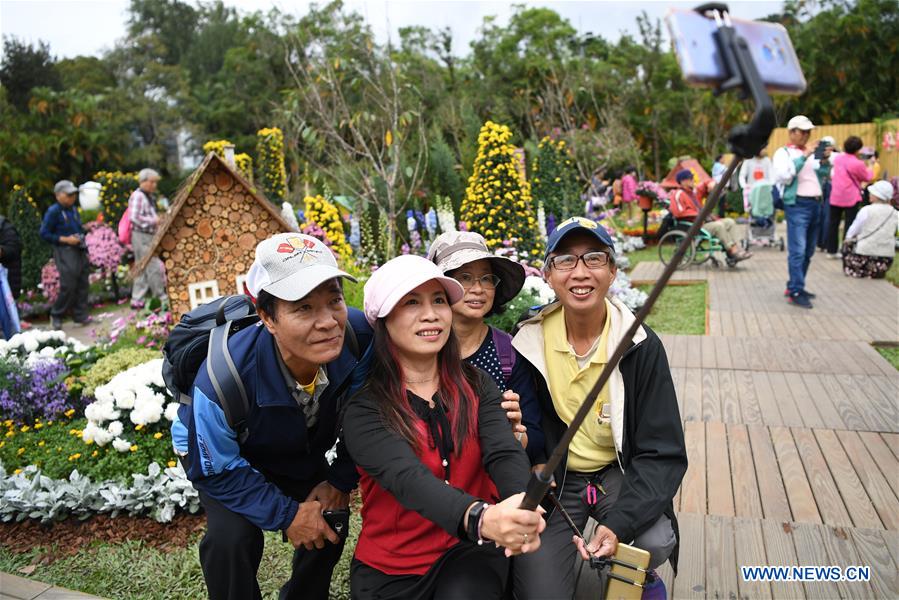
762,229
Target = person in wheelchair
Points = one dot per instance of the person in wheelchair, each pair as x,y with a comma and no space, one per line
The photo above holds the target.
685,206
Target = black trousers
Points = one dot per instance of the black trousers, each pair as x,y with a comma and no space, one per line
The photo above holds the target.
464,572
231,550
833,225
74,267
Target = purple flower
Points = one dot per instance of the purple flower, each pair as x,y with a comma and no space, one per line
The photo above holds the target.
33,392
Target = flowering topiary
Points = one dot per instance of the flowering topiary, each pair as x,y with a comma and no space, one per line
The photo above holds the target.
320,212
117,188
26,217
497,202
103,247
270,154
244,163
554,179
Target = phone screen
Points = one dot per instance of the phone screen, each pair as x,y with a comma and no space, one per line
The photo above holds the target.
702,64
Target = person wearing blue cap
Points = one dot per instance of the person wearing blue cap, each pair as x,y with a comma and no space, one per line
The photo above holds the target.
627,460
685,207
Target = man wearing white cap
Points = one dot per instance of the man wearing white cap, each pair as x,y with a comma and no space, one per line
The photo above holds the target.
298,364
799,173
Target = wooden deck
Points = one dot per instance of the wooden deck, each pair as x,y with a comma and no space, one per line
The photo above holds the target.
791,420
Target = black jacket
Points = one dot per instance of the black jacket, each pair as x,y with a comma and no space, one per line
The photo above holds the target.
11,257
653,453
389,459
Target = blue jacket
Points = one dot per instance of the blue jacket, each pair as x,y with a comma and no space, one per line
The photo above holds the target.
266,477
59,222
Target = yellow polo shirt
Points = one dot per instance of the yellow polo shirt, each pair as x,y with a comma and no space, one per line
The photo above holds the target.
593,446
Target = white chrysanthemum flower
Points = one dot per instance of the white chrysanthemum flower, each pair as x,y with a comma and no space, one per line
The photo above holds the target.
121,445
116,428
171,411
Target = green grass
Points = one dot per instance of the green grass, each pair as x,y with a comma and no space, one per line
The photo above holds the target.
680,310
893,273
650,254
891,353
136,570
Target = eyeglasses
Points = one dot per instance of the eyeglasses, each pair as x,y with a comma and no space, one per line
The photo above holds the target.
568,262
488,282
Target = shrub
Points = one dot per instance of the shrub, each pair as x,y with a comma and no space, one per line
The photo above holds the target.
111,365
26,217
555,180
497,202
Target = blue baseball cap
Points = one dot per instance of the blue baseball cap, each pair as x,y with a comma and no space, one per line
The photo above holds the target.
578,224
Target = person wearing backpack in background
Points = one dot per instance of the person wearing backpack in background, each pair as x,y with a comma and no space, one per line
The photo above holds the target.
490,282
144,221
271,473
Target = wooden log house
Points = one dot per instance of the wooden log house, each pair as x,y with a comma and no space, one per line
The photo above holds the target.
208,238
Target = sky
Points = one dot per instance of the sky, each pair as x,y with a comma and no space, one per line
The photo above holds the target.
88,27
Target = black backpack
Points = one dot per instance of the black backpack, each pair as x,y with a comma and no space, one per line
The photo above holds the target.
202,334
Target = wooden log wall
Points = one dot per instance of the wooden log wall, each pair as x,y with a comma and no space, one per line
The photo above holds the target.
213,236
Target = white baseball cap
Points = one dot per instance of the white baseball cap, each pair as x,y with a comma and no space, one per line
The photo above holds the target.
290,265
801,122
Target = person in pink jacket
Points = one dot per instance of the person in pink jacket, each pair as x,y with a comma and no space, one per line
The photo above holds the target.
629,191
849,173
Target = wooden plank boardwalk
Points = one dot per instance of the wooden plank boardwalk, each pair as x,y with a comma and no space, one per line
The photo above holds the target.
791,420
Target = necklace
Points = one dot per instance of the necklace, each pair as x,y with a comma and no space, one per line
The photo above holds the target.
432,378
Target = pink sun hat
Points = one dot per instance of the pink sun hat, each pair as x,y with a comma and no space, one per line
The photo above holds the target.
399,276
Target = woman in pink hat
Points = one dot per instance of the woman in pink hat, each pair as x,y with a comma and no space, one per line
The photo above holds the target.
441,472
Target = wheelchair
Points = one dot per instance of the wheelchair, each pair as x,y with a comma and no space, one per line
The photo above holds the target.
704,247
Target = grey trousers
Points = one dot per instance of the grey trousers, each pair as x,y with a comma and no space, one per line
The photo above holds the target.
152,279
74,267
549,573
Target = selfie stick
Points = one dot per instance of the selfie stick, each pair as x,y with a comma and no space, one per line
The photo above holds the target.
746,141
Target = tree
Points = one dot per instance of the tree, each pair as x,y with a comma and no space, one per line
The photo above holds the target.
354,113
848,52
497,201
24,68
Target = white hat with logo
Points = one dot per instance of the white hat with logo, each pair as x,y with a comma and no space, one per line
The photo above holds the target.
290,265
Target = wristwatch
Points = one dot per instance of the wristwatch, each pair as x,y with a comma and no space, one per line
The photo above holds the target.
474,522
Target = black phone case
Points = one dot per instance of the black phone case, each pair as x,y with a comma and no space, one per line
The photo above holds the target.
339,521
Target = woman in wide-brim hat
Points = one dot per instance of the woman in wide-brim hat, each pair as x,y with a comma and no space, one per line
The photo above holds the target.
441,475
490,282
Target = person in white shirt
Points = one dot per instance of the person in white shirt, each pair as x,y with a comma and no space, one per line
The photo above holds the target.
754,171
871,240
798,172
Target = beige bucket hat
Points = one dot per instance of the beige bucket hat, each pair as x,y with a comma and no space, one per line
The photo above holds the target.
455,249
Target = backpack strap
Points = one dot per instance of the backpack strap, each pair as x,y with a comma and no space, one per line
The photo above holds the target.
503,343
226,380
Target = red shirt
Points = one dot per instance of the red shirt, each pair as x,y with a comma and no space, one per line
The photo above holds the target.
684,205
398,541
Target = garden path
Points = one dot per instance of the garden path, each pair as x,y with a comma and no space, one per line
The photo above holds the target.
791,420
13,587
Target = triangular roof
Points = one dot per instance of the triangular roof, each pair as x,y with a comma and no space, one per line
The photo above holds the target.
184,192
691,164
